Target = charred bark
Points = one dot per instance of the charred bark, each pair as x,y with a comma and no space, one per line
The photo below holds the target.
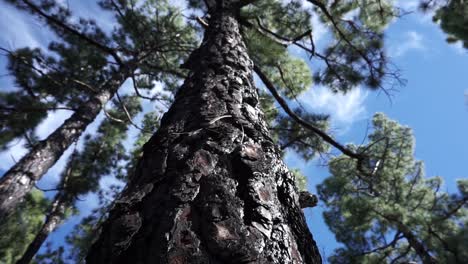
211,186
19,180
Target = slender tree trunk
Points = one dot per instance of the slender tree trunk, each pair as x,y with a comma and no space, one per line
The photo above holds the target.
211,186
53,219
414,243
20,179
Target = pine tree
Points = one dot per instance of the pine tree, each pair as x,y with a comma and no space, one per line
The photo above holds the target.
211,186
21,228
81,238
452,16
230,145
19,180
100,156
395,214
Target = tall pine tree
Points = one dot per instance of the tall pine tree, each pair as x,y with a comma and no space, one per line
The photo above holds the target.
395,214
88,44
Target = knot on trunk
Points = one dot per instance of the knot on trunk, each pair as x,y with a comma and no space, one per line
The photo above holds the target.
306,199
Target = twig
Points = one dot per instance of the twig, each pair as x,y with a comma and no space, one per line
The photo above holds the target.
73,31
301,121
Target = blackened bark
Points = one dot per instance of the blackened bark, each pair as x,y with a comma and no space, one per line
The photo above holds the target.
211,186
19,180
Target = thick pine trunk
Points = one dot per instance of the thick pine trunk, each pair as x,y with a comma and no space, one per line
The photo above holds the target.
211,186
19,180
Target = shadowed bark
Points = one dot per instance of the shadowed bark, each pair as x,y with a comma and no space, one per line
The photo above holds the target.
211,186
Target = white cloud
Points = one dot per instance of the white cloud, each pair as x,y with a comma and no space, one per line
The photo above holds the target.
344,109
408,5
13,154
54,120
319,29
412,6
458,47
53,175
20,29
412,41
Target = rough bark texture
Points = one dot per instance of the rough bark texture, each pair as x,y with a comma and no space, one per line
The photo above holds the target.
19,180
211,186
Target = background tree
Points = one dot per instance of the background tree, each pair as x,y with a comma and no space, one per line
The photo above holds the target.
396,214
21,177
452,16
22,226
354,56
100,156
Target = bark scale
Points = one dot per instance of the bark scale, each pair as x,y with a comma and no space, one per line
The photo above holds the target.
211,186
20,179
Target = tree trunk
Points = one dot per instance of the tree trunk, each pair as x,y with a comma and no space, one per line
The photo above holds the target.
211,186
53,219
413,241
19,180
418,247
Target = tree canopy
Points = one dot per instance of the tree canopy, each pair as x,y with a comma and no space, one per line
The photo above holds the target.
379,204
396,214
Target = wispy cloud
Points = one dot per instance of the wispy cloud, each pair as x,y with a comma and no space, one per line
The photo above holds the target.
344,109
319,29
408,5
53,121
20,29
14,153
411,41
458,47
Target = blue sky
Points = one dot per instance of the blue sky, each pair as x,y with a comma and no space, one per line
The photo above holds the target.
433,103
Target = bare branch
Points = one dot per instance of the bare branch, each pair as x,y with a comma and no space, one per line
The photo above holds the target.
71,30
270,86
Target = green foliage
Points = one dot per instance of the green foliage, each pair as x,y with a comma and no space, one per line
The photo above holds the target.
51,255
301,179
453,19
81,238
65,78
376,215
101,155
293,136
18,123
150,124
153,38
290,75
102,152
158,33
19,230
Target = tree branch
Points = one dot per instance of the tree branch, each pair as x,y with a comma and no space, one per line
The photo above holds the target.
270,86
69,29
